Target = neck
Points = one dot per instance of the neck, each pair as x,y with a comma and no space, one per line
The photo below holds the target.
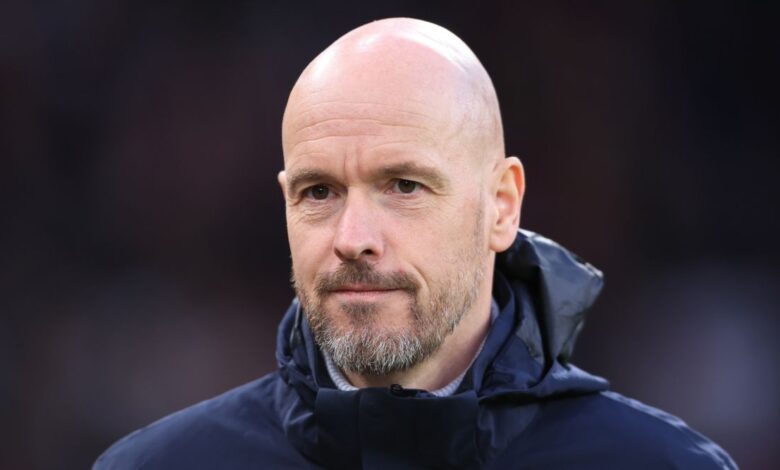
452,358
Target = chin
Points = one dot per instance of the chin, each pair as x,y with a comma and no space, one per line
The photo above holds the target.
373,316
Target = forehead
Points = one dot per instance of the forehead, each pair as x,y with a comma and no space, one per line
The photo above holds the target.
319,126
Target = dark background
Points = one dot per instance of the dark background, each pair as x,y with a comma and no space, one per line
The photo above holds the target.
143,255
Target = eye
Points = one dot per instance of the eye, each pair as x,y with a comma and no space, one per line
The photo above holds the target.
407,186
318,192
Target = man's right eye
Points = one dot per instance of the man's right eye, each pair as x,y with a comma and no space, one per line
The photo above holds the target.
318,192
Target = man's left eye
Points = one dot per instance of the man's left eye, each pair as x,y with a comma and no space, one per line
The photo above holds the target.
407,186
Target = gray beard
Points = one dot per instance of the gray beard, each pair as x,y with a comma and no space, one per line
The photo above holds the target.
359,348
363,351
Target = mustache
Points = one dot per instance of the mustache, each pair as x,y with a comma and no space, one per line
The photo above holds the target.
361,272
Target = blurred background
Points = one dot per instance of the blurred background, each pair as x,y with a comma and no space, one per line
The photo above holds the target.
143,254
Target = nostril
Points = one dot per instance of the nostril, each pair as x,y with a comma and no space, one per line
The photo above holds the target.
347,254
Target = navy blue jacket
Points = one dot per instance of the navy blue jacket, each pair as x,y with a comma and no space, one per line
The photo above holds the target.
520,405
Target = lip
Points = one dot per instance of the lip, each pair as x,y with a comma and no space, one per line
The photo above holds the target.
365,293
361,288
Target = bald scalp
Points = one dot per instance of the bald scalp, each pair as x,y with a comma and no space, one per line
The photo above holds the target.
404,65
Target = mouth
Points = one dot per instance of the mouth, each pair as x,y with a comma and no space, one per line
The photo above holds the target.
362,292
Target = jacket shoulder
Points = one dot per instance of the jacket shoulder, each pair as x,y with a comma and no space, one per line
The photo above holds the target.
237,429
663,433
609,430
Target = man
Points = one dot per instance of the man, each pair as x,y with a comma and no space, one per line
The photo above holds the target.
411,343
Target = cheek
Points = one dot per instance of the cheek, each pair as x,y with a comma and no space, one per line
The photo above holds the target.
309,250
455,222
458,232
435,243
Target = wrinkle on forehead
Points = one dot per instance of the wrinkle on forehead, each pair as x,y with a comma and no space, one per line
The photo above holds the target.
318,114
345,119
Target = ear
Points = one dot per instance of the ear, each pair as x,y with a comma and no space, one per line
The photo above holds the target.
508,195
282,179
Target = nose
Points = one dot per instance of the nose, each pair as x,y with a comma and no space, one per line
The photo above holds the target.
358,235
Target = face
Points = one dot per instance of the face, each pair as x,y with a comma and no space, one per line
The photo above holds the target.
385,218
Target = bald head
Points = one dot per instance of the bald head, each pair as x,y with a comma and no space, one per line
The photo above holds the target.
406,70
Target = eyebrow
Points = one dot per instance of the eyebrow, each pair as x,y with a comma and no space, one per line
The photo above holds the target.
407,170
410,170
304,177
